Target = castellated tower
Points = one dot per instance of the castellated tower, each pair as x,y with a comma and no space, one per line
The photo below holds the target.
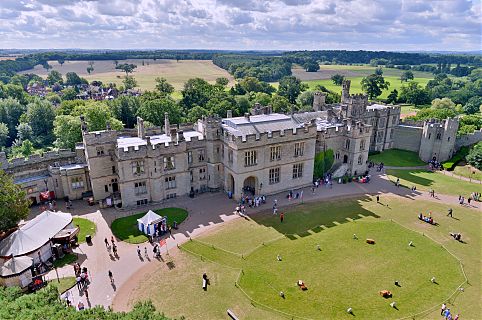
319,101
438,139
345,91
356,104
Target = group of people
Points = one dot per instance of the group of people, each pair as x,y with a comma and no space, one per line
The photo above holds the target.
109,247
82,280
445,312
252,201
427,219
434,165
379,166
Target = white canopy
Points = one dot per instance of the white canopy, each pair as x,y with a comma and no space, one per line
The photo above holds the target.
15,266
35,233
150,218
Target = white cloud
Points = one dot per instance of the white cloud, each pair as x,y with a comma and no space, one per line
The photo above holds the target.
242,24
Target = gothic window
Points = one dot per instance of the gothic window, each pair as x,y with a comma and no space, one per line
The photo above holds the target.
299,149
274,175
347,144
202,174
189,157
275,153
250,158
297,170
140,188
391,134
360,159
337,156
100,151
137,167
362,145
170,182
169,163
439,136
77,183
201,155
230,156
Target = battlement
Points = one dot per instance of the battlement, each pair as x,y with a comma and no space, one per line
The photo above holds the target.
100,137
163,147
266,137
447,124
38,158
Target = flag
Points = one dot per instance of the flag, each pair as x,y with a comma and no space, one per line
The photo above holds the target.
162,242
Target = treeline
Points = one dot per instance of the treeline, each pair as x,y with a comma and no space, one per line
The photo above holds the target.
380,57
264,68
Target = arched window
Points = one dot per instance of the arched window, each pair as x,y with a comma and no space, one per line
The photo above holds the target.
347,144
439,136
360,159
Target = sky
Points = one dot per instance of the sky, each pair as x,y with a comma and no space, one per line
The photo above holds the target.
404,25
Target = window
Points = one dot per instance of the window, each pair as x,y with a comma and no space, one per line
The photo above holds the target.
137,167
274,175
106,188
141,202
170,182
360,159
189,157
113,170
77,183
297,171
191,176
275,153
230,156
362,145
140,188
299,149
100,151
337,156
394,120
200,155
439,136
382,122
448,139
202,174
347,144
380,136
250,158
169,163
171,195
391,134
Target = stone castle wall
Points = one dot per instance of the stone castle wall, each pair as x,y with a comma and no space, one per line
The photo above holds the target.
468,139
407,138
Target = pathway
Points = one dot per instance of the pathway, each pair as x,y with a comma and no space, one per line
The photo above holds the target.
205,212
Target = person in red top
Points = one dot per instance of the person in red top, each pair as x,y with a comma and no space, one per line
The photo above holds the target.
281,217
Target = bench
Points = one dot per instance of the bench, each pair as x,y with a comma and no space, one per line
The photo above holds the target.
232,315
370,241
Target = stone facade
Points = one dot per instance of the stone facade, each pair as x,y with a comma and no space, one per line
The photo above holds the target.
261,153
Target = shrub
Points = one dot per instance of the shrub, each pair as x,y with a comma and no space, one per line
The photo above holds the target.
475,156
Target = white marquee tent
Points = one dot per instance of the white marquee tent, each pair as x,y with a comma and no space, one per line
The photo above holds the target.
33,238
147,224
16,272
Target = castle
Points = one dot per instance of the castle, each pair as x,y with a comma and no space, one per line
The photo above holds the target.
261,152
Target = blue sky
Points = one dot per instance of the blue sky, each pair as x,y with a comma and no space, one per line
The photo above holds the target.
242,24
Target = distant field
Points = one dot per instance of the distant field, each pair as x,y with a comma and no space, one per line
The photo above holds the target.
326,71
356,86
176,73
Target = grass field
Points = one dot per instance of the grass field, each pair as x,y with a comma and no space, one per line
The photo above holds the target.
326,71
86,227
397,158
356,86
126,229
176,73
468,171
344,273
65,283
440,183
67,259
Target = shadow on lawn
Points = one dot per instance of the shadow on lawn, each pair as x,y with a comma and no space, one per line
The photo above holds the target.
411,176
305,219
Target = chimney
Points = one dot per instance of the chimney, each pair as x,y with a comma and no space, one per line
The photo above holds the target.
167,127
83,125
180,136
246,115
173,134
141,132
229,114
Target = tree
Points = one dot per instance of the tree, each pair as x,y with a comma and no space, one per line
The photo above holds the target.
323,163
280,104
153,111
262,98
72,79
196,91
413,93
24,132
406,76
373,85
306,99
61,61
10,112
379,71
311,66
253,84
54,77
290,87
67,130
474,105
126,67
129,82
444,103
124,108
475,156
3,134
223,82
69,94
164,87
393,96
13,203
196,113
337,79
40,116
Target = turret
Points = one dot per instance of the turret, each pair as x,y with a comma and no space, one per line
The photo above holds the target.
167,128
141,132
319,99
345,91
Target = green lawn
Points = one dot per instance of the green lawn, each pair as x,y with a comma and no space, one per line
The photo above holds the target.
65,283
86,227
67,259
469,172
126,228
440,183
356,86
397,158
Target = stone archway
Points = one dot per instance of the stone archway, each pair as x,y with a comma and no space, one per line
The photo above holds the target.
345,159
250,185
230,185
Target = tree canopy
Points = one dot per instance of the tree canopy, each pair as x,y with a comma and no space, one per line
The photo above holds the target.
373,85
13,203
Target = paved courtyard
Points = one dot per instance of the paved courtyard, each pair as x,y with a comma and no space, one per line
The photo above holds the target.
206,211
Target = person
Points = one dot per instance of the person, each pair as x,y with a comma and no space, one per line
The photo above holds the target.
456,317
450,213
112,240
378,199
106,242
446,313
420,216
86,292
398,182
145,252
442,309
281,217
138,251
114,249
80,306
111,276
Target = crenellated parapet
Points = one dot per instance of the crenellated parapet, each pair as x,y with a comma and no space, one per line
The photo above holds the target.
100,137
